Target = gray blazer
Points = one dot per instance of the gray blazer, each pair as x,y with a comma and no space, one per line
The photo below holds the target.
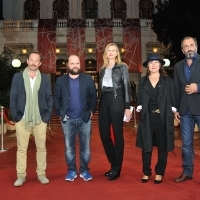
184,100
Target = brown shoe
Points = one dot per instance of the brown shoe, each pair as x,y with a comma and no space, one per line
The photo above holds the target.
182,178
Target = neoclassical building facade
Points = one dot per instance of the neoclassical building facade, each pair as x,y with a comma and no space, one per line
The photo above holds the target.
59,28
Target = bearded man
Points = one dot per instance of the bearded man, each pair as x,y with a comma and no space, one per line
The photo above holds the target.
75,100
187,91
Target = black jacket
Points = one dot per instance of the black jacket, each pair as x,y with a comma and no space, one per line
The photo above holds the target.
166,100
184,100
121,84
87,91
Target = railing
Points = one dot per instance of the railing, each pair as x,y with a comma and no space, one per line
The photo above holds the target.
61,23
89,23
4,24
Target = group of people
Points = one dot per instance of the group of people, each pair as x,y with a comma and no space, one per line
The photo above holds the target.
159,100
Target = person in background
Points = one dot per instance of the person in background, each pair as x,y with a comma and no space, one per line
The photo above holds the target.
156,102
31,104
133,90
187,87
114,104
75,102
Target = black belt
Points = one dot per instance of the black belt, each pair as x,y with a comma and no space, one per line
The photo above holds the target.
155,111
107,89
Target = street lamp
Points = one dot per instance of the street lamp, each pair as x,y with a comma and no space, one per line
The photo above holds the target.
16,63
167,62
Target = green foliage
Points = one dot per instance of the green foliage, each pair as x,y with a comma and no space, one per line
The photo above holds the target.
6,74
174,20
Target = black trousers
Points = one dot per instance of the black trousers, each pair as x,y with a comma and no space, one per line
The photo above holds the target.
160,139
111,112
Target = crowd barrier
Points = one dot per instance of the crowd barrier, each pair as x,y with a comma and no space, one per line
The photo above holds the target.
4,117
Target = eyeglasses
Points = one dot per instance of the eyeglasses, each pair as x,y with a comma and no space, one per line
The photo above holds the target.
187,46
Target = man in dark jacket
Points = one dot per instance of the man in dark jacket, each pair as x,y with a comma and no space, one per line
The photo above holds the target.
31,105
75,101
133,91
187,87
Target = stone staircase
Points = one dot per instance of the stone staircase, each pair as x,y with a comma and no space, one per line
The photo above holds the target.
55,120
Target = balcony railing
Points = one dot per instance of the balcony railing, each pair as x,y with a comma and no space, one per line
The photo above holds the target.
61,23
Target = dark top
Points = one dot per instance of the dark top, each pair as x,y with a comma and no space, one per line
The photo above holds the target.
187,69
75,104
153,93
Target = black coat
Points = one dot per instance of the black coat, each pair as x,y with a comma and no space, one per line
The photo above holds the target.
166,100
87,91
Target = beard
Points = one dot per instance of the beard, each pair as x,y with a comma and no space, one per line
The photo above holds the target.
190,54
74,72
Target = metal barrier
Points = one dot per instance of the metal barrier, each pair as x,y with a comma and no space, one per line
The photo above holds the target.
134,115
2,130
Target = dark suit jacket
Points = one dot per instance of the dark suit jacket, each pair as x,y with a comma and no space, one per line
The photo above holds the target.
184,100
87,91
18,98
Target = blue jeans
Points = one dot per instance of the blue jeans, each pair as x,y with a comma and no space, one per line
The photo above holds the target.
71,128
187,133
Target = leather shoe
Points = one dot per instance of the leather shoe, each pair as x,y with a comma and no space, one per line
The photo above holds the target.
182,178
158,181
145,180
108,173
113,177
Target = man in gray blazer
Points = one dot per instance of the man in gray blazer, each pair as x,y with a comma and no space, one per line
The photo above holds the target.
187,87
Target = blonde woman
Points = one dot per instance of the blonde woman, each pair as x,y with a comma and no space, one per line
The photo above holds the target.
114,104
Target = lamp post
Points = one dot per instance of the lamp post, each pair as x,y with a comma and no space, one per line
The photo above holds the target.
16,63
167,62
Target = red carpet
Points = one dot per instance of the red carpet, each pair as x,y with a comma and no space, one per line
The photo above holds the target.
127,187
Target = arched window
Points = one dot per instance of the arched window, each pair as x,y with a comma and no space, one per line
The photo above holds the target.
32,9
89,9
118,9
146,9
61,9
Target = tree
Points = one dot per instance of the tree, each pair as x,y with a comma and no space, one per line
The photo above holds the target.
174,20
6,73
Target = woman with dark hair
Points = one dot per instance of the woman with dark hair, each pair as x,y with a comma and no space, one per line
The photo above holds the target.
156,101
114,104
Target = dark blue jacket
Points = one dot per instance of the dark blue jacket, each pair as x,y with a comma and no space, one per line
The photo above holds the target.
88,96
18,98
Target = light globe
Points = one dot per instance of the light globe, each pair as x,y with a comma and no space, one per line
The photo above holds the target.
16,63
167,62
